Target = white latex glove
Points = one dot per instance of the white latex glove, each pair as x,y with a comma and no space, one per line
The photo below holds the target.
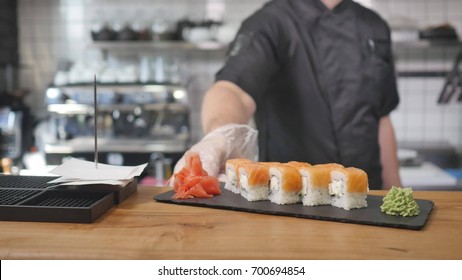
226,142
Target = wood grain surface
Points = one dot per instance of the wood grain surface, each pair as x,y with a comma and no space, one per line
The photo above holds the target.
141,228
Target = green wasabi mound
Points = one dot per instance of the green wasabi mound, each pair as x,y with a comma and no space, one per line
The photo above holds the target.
399,202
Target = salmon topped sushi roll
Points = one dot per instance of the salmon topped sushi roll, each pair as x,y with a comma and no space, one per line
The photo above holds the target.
315,184
285,184
348,188
298,164
254,181
232,173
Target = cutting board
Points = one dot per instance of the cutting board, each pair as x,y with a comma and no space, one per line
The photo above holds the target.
371,215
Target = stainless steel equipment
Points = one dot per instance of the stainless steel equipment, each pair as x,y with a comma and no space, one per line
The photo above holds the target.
133,121
10,133
453,84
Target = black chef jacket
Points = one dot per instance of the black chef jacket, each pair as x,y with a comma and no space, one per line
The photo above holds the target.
321,80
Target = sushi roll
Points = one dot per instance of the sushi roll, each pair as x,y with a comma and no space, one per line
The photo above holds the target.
285,184
298,164
232,173
348,188
315,184
254,181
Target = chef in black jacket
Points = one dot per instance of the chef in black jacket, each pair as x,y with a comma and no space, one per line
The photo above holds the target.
317,77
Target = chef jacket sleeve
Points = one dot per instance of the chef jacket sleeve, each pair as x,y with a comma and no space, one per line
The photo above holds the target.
253,55
389,95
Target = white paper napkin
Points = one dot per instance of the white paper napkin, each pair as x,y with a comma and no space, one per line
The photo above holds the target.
80,172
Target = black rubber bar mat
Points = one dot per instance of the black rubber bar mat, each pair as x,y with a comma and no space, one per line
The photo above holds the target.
25,182
32,198
371,215
59,206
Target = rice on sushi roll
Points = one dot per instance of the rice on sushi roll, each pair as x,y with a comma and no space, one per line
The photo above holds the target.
348,188
315,184
285,184
254,181
232,173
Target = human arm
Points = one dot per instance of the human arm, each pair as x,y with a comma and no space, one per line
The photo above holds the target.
388,153
226,103
226,112
228,106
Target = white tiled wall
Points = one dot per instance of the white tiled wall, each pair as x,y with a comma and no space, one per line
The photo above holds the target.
423,12
51,30
420,118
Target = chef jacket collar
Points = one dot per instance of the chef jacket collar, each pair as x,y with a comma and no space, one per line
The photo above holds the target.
340,7
311,10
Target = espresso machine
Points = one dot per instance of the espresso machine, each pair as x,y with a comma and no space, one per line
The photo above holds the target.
135,123
10,133
15,121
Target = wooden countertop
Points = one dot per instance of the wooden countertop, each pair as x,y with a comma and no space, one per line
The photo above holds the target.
141,228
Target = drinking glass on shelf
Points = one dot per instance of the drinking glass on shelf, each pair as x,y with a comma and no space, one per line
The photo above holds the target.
160,26
160,75
145,69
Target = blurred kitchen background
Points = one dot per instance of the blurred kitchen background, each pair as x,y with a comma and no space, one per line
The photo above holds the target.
155,59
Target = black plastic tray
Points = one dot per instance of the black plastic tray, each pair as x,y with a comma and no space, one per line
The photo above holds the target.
32,198
25,182
59,206
120,193
371,215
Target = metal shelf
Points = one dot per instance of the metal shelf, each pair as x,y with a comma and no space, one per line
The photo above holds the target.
424,44
86,144
155,87
76,109
156,45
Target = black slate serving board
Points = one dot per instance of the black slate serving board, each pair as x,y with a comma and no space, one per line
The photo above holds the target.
371,215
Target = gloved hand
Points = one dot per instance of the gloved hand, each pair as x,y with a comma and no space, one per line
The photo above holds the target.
221,144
